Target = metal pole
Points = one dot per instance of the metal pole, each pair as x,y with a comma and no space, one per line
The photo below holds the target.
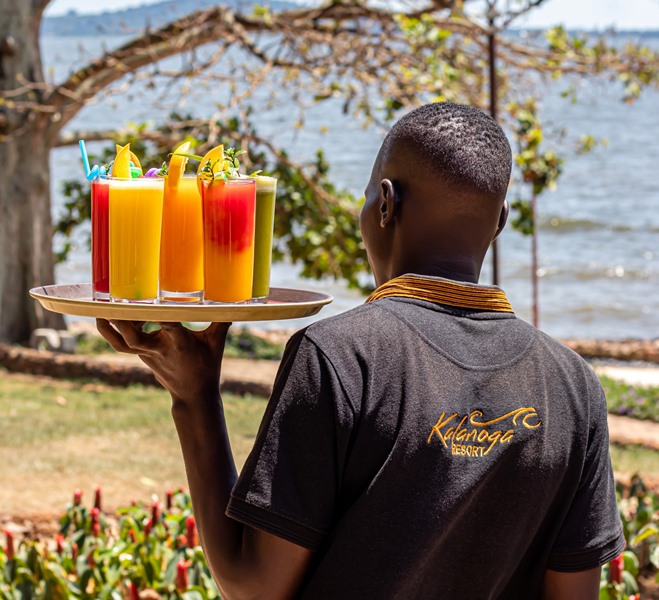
492,59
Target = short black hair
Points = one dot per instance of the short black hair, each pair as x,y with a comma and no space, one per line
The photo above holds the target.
457,142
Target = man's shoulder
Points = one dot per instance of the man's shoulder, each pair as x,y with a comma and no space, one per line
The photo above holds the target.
566,359
348,324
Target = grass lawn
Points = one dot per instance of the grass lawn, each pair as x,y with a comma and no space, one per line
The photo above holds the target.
56,436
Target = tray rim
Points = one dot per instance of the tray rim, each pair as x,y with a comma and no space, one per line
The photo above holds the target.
85,306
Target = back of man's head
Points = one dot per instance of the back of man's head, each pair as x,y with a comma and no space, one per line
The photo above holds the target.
461,145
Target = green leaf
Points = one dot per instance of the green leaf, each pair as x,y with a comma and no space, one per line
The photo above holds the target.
192,156
654,556
630,562
194,593
629,583
647,531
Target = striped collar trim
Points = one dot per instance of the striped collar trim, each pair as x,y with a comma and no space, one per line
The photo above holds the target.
444,291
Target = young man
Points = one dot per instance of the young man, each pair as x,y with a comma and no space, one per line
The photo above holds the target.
425,445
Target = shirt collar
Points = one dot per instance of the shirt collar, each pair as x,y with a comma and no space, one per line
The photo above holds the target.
444,291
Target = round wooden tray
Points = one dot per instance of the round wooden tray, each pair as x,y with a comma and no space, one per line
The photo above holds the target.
283,303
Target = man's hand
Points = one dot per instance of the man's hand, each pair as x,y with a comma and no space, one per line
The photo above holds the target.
187,363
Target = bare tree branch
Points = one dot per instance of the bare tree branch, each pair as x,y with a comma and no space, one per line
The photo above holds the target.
70,138
346,48
216,24
515,14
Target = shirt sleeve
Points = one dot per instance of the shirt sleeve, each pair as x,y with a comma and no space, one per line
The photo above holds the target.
591,534
291,479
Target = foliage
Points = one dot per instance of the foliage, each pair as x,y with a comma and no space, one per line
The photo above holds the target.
639,512
640,402
152,552
241,343
97,556
538,168
91,345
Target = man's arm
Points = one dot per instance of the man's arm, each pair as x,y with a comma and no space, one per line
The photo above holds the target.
245,562
582,585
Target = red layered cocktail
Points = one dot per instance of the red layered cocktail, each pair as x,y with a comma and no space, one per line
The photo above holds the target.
100,239
228,216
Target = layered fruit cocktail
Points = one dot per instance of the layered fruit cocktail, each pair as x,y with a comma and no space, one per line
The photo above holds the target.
100,239
228,213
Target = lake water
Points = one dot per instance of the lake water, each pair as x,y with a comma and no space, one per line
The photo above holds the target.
599,235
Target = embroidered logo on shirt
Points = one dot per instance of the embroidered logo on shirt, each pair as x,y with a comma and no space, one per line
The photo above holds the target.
469,435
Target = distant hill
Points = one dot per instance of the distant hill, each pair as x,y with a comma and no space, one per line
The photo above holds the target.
132,20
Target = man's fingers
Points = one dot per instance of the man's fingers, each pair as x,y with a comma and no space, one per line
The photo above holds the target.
216,334
171,326
113,337
217,330
134,337
177,333
213,333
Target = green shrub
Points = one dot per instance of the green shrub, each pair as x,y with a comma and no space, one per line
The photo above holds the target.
640,402
639,512
154,548
112,558
241,343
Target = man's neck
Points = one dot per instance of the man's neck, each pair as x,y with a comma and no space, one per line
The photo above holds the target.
457,269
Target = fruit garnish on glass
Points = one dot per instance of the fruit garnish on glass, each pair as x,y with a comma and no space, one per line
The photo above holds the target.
121,163
134,165
177,164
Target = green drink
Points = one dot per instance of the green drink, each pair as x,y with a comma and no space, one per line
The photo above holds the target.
266,192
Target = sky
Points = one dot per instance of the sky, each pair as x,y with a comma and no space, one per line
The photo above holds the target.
589,14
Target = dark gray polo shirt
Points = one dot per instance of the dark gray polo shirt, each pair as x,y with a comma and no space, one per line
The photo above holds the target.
428,452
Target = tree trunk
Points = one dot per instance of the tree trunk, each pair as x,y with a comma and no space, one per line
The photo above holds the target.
26,255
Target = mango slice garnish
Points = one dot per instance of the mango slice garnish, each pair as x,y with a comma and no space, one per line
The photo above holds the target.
133,157
121,165
177,165
212,162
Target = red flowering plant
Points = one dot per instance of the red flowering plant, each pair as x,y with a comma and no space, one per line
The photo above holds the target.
141,552
639,512
151,551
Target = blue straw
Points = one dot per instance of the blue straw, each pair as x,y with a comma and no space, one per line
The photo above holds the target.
85,158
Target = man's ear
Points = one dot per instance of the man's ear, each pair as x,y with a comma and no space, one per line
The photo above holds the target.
503,217
388,203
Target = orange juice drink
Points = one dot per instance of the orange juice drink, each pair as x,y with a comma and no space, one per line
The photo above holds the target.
182,243
228,216
135,224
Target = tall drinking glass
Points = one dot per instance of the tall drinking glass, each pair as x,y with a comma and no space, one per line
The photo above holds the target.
182,243
135,225
100,240
266,192
228,215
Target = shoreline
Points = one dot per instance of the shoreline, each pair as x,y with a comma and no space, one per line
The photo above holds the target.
256,376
